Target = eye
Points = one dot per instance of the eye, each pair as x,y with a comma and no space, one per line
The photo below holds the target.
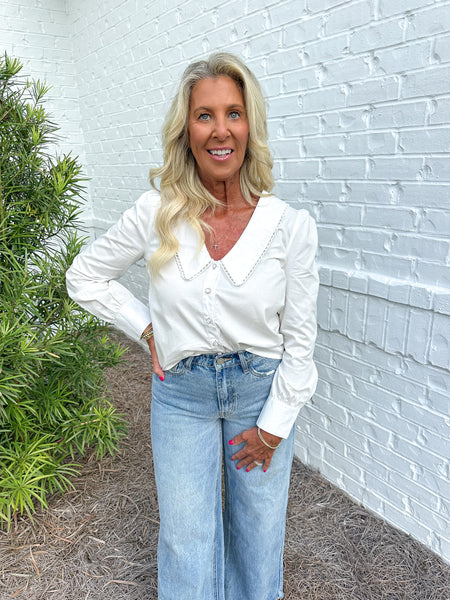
234,114
203,117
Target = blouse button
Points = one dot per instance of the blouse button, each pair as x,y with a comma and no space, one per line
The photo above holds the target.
208,291
214,266
208,320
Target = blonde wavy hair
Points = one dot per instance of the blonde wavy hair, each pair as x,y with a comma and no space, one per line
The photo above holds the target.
182,193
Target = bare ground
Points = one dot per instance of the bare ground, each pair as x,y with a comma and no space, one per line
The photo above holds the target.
99,541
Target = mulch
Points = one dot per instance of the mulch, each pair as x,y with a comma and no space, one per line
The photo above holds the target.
99,540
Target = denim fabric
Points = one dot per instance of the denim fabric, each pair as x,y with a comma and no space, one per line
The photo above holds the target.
207,551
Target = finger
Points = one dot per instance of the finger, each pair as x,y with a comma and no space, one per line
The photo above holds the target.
238,439
245,462
239,455
247,458
254,465
266,464
155,360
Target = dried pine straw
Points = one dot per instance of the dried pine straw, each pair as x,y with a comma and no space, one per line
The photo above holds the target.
99,541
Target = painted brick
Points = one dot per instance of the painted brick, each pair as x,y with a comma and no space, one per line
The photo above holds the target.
435,221
323,311
376,36
277,61
428,195
334,213
440,344
297,32
376,321
301,169
338,311
324,145
300,125
314,6
438,112
427,82
429,273
399,114
344,168
370,143
395,514
323,50
406,57
428,22
396,168
348,17
431,140
356,320
380,90
388,9
390,217
354,119
284,106
441,302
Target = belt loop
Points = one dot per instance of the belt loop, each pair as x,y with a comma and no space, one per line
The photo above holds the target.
243,359
188,363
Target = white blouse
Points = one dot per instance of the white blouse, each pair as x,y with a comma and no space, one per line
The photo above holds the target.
260,297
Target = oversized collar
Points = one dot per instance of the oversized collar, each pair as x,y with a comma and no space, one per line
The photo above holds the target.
241,260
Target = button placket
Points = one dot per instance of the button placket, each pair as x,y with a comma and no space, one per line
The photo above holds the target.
208,300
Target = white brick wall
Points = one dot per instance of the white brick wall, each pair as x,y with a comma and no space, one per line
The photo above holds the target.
359,105
37,32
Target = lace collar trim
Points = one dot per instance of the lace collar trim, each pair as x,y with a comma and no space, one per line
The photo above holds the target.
243,258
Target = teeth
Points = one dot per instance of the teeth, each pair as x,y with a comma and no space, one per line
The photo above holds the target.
220,152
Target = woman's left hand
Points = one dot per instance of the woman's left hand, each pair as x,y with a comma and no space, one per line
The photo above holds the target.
254,453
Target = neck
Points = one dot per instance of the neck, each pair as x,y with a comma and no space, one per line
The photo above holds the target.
227,192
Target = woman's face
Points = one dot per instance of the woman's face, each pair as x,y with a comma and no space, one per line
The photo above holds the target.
217,130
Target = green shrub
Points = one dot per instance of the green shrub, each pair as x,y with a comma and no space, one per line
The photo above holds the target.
52,354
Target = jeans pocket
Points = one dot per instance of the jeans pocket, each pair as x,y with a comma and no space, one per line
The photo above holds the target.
180,368
260,366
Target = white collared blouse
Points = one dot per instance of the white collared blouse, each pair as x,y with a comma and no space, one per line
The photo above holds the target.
260,297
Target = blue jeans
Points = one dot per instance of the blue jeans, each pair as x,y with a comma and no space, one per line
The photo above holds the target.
207,551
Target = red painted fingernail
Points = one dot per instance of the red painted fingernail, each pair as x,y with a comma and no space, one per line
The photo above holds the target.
264,470
247,470
162,378
238,468
231,442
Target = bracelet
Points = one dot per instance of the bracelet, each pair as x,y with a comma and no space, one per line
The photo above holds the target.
148,334
264,441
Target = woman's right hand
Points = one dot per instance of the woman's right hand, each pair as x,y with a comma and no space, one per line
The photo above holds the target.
156,366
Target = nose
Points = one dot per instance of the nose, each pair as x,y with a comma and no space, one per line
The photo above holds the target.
221,131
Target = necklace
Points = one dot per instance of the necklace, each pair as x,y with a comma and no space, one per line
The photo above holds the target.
218,242
225,231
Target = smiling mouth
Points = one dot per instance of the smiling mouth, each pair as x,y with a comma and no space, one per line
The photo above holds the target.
224,152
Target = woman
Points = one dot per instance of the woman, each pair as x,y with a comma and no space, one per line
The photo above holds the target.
232,296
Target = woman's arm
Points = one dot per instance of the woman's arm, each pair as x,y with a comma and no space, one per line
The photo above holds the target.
92,278
296,377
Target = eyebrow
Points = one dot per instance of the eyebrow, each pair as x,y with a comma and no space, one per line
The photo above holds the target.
209,109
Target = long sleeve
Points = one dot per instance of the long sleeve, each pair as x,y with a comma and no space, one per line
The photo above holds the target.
92,278
296,377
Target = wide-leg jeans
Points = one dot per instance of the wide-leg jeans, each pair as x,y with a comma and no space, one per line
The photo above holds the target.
209,549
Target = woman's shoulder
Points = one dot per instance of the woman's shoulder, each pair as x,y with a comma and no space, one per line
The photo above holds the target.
293,217
151,199
147,205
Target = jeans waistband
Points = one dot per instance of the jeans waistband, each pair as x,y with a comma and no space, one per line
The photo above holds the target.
223,359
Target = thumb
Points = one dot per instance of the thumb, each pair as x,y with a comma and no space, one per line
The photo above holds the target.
238,439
